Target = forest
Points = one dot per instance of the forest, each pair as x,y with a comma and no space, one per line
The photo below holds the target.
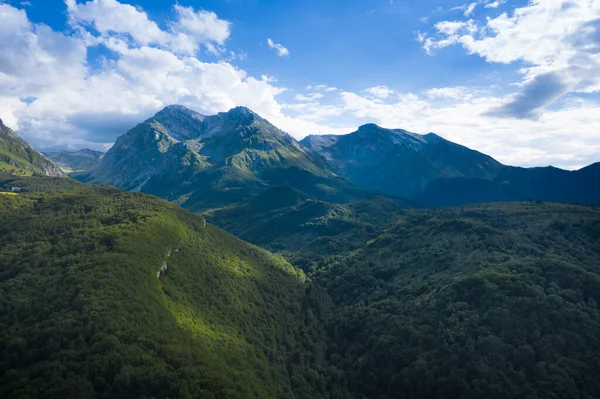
105,293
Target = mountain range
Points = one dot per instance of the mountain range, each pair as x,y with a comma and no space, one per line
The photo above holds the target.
204,162
108,293
18,157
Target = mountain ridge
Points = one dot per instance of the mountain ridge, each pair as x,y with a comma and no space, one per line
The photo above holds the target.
19,157
225,158
204,162
398,162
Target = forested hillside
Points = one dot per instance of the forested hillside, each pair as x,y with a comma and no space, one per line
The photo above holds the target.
490,301
105,293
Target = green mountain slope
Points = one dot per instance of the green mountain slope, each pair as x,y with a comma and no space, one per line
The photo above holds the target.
206,162
19,158
112,294
491,301
305,229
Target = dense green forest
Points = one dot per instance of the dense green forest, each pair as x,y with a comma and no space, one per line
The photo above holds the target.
490,301
105,293
85,310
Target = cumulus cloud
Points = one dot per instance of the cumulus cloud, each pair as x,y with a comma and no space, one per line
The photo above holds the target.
52,95
380,92
281,51
187,32
494,4
557,41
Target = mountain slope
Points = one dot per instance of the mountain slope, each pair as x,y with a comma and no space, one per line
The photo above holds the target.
75,161
397,162
18,157
518,184
303,228
489,301
224,159
114,294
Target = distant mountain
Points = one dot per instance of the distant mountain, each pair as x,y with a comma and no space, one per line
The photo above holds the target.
518,184
75,161
209,162
438,172
206,161
397,162
19,158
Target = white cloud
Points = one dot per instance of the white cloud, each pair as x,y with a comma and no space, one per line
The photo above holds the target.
449,92
558,42
448,33
77,105
281,51
323,88
308,97
470,9
199,27
467,8
380,92
71,103
494,4
185,35
111,16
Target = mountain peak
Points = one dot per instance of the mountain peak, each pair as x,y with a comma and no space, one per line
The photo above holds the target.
242,115
177,109
369,127
181,122
6,131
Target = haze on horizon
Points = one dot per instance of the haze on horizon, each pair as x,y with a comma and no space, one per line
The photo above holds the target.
518,80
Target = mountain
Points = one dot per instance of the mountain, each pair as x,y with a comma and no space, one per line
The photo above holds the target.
75,161
110,294
18,157
397,162
518,184
437,172
209,161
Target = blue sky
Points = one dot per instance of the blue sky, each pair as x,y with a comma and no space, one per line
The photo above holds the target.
516,79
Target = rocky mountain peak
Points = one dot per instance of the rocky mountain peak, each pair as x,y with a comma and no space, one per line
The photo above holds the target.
181,122
241,115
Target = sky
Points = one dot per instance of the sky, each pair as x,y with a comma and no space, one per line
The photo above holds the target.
518,80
